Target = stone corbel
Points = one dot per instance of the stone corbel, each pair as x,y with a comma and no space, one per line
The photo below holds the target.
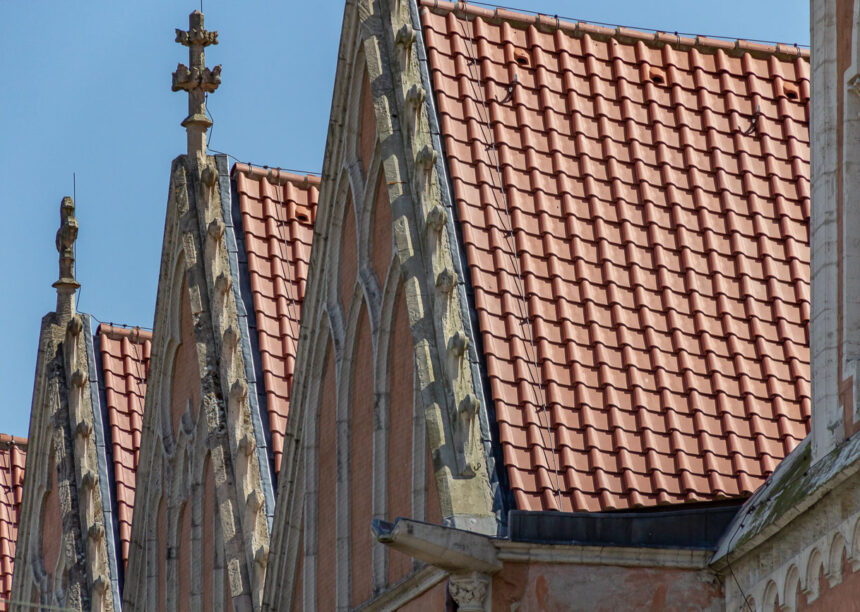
223,284
89,485
470,558
215,230
246,447
229,347
89,481
247,444
95,537
463,435
425,160
403,40
83,429
73,330
436,218
100,590
261,557
414,101
238,424
457,344
470,591
77,381
254,503
445,281
214,240
261,561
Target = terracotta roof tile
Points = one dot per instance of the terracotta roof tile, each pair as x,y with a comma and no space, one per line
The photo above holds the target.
13,455
278,211
125,356
658,201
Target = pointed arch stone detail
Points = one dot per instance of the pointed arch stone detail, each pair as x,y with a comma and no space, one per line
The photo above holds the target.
198,346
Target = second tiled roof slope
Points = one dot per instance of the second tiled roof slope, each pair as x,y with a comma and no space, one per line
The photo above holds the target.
658,197
13,457
124,366
278,211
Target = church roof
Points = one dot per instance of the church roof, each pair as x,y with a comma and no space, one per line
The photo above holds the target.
13,456
638,252
124,356
277,212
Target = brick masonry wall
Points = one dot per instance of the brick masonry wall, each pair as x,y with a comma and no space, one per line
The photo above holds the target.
325,537
52,522
400,442
361,462
545,587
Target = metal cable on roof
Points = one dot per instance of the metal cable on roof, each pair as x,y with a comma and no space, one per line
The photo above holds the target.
288,279
236,159
525,325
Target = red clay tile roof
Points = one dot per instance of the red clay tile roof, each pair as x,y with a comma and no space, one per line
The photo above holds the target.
278,211
125,364
658,191
13,456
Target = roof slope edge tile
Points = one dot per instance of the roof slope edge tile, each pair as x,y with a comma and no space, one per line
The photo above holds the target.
277,210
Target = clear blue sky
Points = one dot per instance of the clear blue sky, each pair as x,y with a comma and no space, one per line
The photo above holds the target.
86,89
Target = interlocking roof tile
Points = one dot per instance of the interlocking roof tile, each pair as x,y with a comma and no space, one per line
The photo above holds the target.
653,348
278,211
13,456
125,365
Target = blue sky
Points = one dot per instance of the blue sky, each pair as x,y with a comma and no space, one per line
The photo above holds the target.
86,90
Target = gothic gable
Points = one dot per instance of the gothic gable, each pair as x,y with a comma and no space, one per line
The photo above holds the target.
382,433
199,474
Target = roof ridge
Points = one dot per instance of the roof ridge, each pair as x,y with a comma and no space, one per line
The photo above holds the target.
135,335
7,440
705,44
277,176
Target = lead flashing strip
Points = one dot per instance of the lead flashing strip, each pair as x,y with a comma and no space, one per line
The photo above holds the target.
104,451
248,342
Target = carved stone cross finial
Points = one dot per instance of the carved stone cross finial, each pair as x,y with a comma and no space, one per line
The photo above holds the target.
197,80
66,236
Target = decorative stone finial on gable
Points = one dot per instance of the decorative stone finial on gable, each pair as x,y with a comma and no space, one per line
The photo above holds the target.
66,236
197,80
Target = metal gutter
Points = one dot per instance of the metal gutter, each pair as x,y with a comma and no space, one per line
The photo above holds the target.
688,528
